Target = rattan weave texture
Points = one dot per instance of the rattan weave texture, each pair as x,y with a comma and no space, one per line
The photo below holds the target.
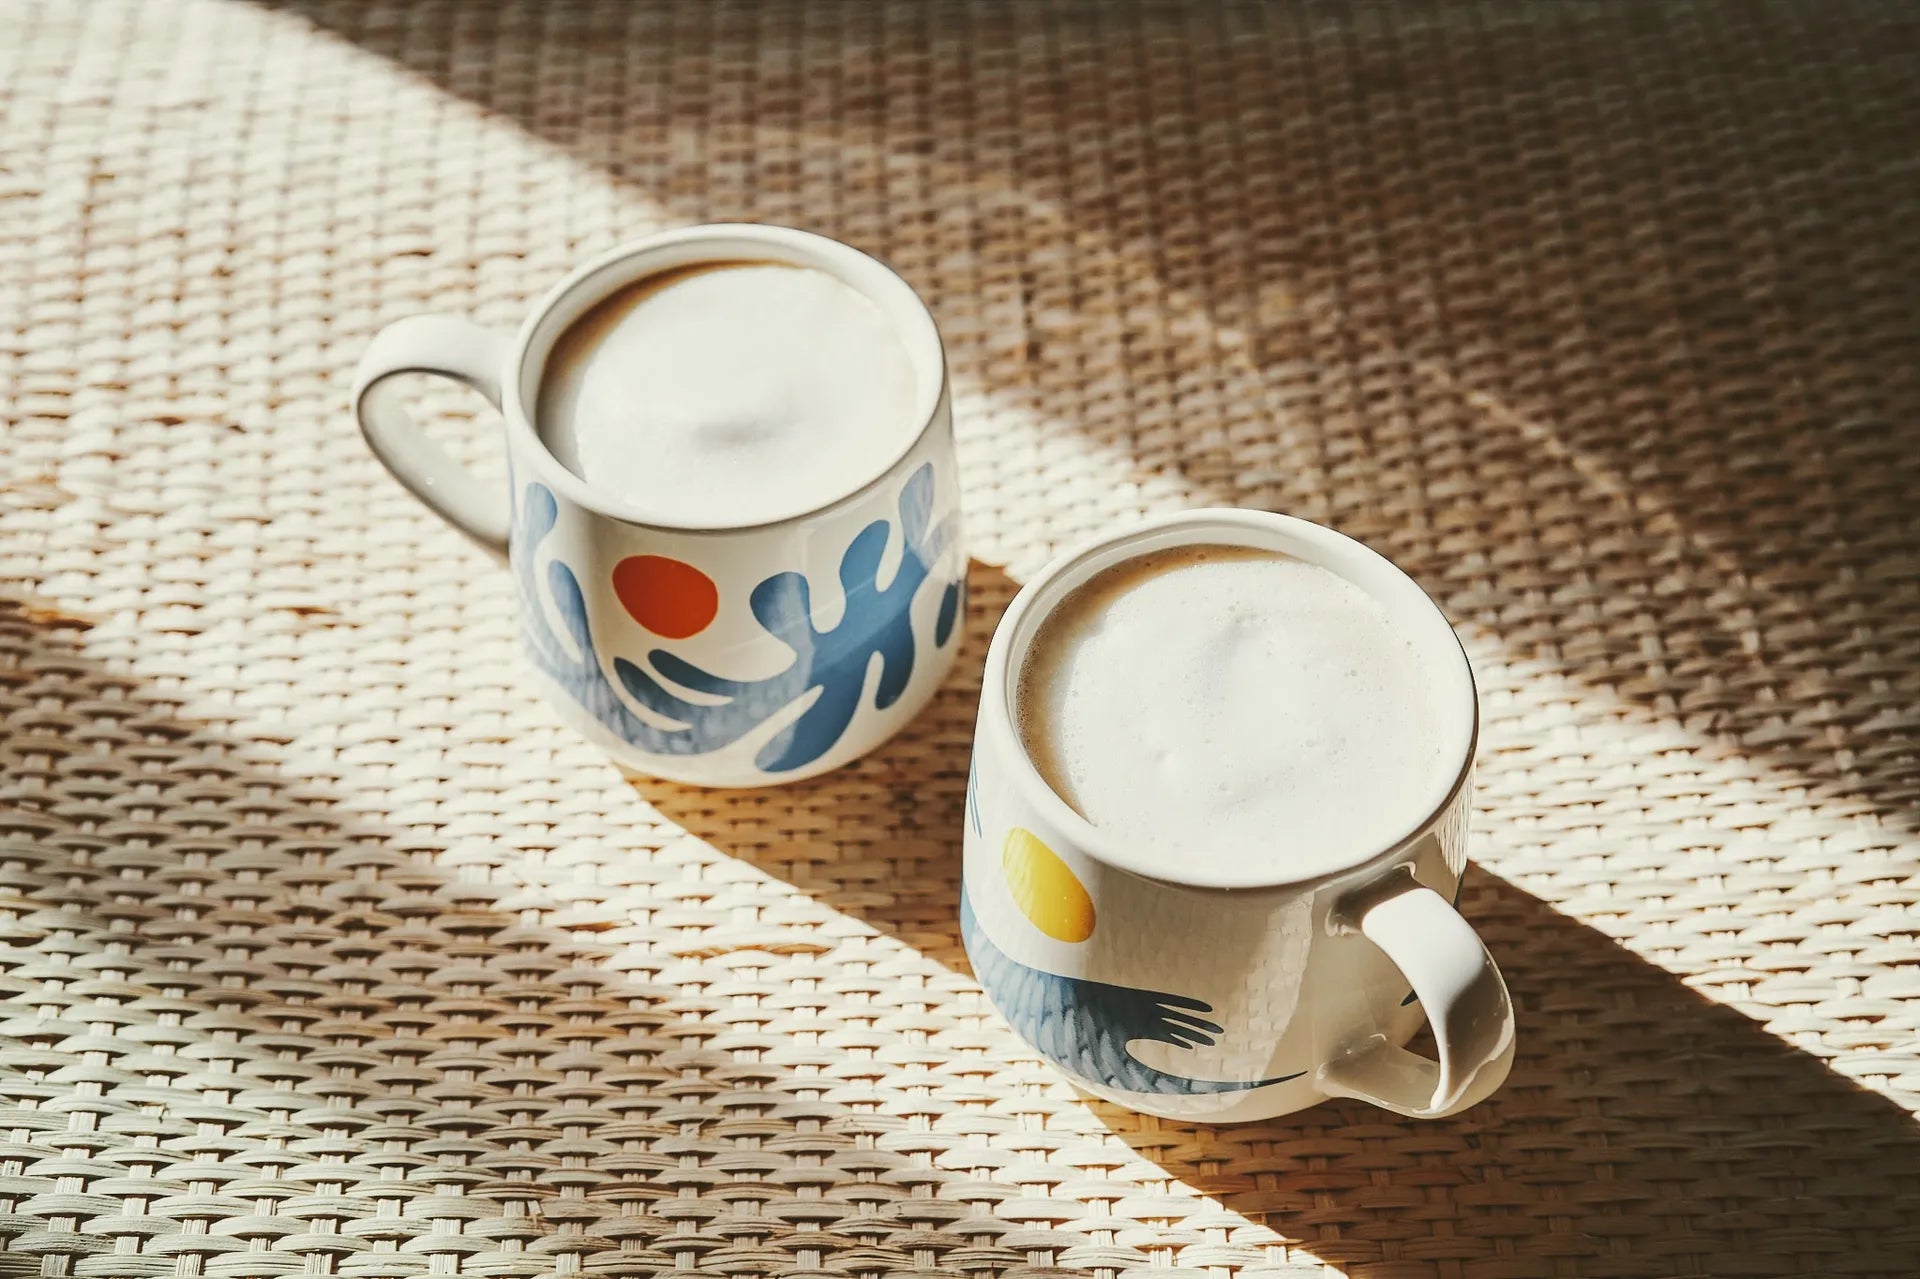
327,952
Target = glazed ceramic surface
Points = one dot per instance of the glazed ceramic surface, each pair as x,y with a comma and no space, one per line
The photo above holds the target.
717,655
1247,995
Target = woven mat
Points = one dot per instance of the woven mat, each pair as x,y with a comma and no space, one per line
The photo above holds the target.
327,951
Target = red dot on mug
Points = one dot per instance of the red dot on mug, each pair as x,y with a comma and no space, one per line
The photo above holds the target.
670,598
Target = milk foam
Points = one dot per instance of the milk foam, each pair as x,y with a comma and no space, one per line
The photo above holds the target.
730,393
1224,709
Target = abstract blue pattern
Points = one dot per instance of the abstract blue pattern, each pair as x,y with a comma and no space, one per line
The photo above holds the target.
1085,1027
829,665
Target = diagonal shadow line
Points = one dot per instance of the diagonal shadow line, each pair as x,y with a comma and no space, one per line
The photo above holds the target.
273,968
1782,664
215,963
1686,1113
1853,491
1553,372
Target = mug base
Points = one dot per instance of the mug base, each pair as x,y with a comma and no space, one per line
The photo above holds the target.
1252,1105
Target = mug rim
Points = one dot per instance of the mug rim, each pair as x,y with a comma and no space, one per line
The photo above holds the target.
1315,543
596,279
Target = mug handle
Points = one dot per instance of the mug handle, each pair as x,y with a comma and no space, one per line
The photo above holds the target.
1465,999
449,347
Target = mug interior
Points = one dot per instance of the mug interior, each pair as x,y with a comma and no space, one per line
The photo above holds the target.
591,284
1407,606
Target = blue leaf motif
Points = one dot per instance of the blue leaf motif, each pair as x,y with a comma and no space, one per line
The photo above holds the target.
829,666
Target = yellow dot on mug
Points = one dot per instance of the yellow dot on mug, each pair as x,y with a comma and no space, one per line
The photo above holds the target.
1047,892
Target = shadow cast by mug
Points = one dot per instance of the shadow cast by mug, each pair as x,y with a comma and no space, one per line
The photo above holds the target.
1676,1093
268,961
878,839
1680,1113
1597,319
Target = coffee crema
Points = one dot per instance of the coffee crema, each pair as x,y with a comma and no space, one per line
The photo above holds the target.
1224,708
729,393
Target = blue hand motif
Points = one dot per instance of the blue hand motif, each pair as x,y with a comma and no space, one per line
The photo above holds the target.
1085,1027
875,622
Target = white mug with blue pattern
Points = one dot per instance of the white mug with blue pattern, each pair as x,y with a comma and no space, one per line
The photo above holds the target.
712,654
1197,998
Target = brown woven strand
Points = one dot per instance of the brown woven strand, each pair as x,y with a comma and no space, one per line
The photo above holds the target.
328,952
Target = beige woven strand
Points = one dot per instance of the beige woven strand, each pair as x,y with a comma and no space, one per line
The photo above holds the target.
328,952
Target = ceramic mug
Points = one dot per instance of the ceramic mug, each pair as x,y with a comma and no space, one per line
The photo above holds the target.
721,655
1239,997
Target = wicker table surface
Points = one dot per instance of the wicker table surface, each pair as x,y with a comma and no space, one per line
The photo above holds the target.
327,951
